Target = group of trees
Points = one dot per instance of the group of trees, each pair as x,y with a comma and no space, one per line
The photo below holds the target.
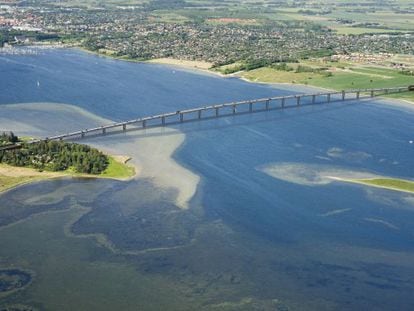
57,156
8,138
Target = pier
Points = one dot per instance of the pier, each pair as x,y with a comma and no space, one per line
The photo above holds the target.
233,108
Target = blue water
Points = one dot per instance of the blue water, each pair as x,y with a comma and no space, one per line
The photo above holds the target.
279,239
114,89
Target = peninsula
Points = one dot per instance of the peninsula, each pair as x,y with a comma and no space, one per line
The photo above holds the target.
396,184
21,162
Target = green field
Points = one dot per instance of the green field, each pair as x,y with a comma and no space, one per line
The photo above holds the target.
357,22
117,169
343,78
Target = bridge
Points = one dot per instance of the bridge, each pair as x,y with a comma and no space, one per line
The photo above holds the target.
234,108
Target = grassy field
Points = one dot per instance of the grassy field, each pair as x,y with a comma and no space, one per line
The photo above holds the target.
342,78
270,75
382,20
118,169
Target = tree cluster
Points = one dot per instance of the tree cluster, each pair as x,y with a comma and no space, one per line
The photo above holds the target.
57,156
8,138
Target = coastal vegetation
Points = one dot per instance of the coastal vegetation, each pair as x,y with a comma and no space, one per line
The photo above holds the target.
8,139
117,168
56,156
389,183
30,162
397,184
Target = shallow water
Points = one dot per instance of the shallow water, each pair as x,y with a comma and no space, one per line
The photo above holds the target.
249,239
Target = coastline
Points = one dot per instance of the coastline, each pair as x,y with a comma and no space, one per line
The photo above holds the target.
17,176
369,183
202,67
193,66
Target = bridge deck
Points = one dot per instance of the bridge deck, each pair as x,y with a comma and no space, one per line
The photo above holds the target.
178,116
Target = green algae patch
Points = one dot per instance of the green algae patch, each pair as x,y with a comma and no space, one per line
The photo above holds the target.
388,183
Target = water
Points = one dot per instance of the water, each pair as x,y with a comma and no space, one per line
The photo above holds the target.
248,241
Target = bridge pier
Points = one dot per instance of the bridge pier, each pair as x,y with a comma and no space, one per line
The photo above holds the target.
199,114
144,124
181,117
82,135
250,107
343,95
298,100
217,112
283,102
124,127
357,95
234,109
313,99
163,121
329,98
267,104
372,93
104,131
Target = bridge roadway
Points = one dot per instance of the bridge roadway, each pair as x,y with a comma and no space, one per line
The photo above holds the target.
279,102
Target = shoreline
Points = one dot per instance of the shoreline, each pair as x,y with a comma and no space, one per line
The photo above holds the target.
368,183
194,66
26,175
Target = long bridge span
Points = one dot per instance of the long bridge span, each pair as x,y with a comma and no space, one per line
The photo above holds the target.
233,108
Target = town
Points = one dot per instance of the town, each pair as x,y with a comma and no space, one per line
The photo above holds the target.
145,33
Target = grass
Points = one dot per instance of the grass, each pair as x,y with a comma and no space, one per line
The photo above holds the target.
117,169
388,183
353,77
270,75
